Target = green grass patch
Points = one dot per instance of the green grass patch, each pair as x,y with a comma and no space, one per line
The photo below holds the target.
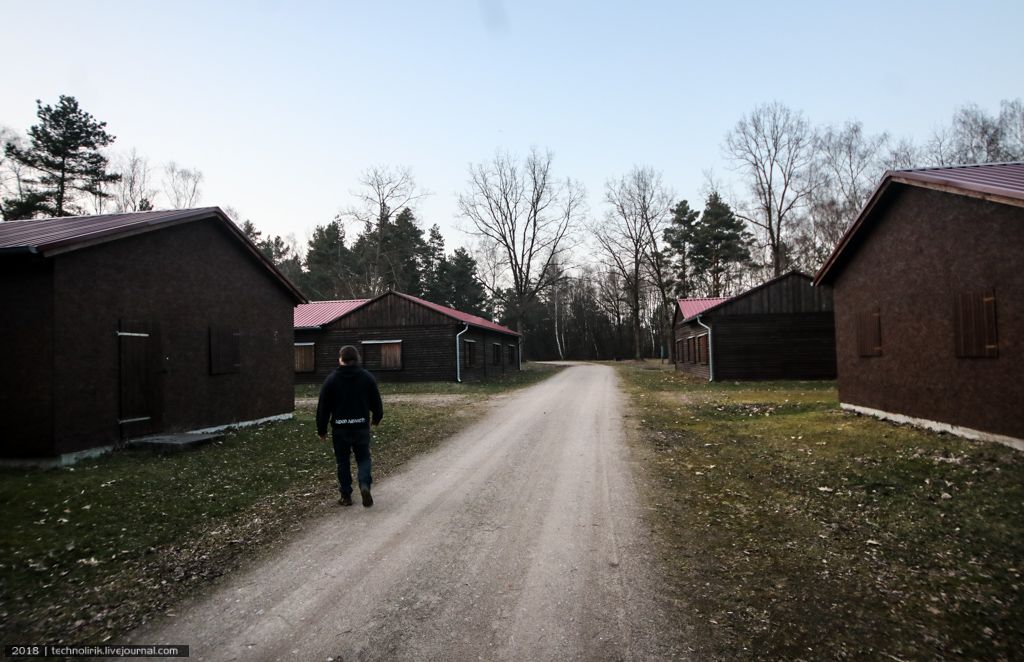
792,530
90,551
530,374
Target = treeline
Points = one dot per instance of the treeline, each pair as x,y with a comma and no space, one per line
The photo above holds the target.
61,168
578,283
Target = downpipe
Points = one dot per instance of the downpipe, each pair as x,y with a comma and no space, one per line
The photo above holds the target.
458,354
711,352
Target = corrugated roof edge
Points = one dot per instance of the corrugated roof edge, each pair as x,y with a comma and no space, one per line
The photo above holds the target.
794,272
925,178
174,217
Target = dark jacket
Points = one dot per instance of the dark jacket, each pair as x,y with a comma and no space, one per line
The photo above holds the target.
347,399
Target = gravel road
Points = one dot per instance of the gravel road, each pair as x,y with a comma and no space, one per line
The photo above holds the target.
518,539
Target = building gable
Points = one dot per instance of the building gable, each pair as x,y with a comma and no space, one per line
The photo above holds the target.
390,310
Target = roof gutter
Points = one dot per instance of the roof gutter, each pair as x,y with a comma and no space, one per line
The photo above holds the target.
458,353
19,250
711,352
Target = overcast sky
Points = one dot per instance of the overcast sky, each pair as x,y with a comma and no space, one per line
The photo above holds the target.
282,104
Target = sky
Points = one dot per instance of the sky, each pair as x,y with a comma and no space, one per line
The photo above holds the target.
282,105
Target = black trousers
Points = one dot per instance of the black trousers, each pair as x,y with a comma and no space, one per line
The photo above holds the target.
357,442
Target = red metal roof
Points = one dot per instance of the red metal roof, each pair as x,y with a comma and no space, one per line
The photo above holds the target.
316,313
997,182
466,318
691,307
52,236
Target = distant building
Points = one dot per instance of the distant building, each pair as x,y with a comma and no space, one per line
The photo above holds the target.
782,329
929,290
124,325
402,338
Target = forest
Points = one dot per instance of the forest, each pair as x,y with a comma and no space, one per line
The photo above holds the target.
577,282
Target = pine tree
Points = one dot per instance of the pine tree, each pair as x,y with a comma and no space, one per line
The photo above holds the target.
433,267
330,264
719,246
679,239
64,152
465,291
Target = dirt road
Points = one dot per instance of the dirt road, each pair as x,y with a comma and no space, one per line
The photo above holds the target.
518,539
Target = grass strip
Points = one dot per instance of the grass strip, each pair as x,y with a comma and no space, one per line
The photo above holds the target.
90,551
790,529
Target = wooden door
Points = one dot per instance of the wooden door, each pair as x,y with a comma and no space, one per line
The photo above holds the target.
138,412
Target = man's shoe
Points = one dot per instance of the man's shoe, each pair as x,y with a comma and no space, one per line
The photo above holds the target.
345,500
364,490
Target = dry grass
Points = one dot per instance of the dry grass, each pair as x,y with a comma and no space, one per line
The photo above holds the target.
792,530
90,551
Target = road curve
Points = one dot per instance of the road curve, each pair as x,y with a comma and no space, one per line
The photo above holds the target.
518,539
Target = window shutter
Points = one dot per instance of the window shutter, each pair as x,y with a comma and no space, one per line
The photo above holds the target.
869,333
391,356
991,339
974,325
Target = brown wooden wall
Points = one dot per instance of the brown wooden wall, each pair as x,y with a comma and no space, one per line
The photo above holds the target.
26,357
924,249
179,281
784,346
428,342
791,293
682,333
782,330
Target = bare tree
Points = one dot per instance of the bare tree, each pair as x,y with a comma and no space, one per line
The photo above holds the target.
901,155
181,186
133,191
12,173
773,148
976,136
638,210
847,165
1011,125
518,207
383,193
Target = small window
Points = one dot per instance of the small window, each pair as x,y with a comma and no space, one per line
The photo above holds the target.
869,333
512,349
702,349
305,360
974,325
225,350
468,353
382,354
496,354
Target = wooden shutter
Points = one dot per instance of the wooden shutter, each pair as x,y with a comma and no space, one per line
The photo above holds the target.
974,325
702,349
225,350
391,356
304,358
869,333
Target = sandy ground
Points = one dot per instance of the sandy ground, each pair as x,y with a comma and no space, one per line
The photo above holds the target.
425,399
518,539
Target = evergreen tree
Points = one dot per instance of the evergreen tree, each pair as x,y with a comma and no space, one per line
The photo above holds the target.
387,254
465,291
404,254
678,236
250,232
719,246
289,262
64,152
329,264
433,266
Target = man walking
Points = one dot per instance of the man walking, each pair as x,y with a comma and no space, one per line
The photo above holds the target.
348,398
